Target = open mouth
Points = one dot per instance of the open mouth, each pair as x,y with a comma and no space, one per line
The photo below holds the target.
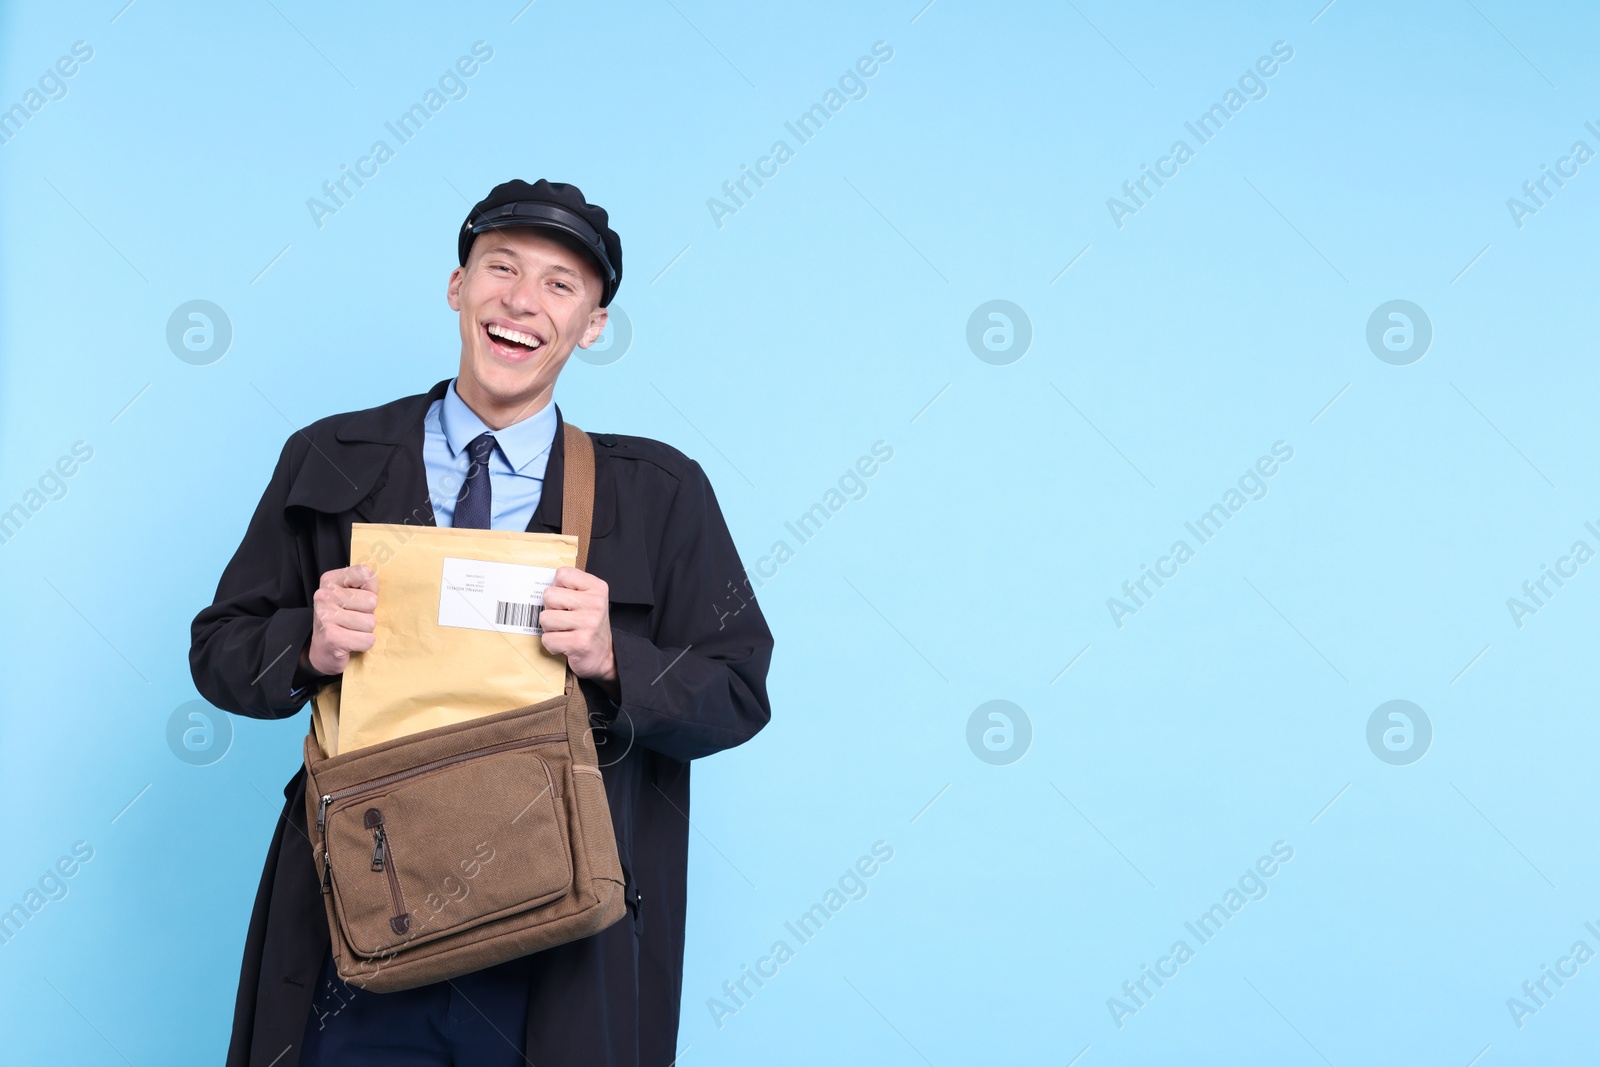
511,343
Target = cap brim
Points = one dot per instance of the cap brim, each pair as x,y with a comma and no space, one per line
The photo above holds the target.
607,272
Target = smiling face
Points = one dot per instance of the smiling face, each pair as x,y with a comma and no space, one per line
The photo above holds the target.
526,300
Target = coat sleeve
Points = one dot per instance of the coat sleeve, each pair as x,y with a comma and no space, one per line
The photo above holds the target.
245,647
701,685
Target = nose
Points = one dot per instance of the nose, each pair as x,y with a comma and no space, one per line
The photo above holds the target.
524,297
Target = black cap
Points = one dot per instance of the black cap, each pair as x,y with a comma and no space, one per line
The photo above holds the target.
554,206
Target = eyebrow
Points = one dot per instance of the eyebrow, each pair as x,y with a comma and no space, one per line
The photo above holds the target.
514,254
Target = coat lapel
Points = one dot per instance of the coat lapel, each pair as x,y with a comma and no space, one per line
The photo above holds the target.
547,516
398,492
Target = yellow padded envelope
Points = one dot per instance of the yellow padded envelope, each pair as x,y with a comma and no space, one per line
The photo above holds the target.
457,633
325,717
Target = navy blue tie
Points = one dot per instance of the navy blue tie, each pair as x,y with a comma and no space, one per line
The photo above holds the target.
472,505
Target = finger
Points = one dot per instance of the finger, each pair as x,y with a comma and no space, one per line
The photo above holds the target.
356,621
356,599
573,578
349,642
569,598
360,576
558,619
340,639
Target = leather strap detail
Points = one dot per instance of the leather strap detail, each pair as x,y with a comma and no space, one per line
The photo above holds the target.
577,489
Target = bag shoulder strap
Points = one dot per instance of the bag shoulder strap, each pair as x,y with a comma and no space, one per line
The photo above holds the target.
577,488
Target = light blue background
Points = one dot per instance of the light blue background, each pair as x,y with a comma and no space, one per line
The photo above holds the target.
822,317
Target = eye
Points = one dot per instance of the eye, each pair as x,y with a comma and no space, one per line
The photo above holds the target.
564,285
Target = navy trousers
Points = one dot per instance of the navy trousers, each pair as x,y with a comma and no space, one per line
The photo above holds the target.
479,1019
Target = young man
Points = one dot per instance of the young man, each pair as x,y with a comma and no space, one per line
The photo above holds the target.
671,658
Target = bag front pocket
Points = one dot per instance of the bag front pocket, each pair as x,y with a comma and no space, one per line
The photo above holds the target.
446,846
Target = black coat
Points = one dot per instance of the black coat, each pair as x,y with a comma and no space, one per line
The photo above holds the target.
692,651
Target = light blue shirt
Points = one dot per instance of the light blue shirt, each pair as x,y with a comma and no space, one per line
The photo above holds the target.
516,468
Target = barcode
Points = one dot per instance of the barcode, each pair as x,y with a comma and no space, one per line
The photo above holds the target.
516,614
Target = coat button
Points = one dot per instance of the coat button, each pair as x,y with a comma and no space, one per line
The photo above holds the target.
606,439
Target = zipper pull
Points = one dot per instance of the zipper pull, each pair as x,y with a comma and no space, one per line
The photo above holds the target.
327,871
372,819
322,811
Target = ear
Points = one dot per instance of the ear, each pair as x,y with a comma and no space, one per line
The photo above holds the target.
452,293
597,326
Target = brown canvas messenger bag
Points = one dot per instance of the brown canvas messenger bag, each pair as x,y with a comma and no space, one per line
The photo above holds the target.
450,850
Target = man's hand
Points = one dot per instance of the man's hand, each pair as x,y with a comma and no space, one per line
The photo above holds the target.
343,618
576,620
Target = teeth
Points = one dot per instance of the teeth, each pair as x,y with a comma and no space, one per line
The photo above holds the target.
514,335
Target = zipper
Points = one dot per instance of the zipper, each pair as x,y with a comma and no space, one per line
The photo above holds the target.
389,779
399,919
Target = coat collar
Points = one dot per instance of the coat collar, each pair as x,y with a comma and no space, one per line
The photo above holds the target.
371,464
397,422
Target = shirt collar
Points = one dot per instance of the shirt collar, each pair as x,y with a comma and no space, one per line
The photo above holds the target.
522,443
